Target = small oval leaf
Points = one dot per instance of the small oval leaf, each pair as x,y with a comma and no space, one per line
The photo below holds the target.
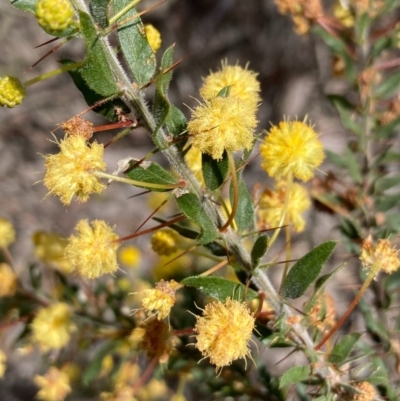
245,211
152,173
214,171
306,270
294,375
220,288
259,249
192,208
342,349
96,70
134,44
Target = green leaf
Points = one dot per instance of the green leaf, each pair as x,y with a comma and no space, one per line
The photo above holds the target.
25,5
94,368
389,86
259,249
216,249
346,112
384,183
391,157
176,123
108,109
135,46
96,70
192,208
214,171
386,202
349,228
319,285
294,375
336,159
245,210
388,130
165,112
220,288
353,166
306,270
151,172
342,349
338,47
379,46
99,12
373,325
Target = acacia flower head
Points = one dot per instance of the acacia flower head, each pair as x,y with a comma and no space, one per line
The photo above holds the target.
382,256
3,360
161,299
291,149
130,256
50,248
12,91
52,327
8,281
70,172
7,233
194,161
153,36
53,386
223,332
54,15
242,82
222,123
165,242
366,391
272,204
93,252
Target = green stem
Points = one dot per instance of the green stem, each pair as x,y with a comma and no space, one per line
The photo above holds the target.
54,73
119,14
100,174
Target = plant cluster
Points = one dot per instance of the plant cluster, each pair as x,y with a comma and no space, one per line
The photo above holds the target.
197,333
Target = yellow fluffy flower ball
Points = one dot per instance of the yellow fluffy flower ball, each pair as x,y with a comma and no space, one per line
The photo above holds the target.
194,162
365,391
93,252
165,242
130,256
50,248
8,281
52,327
70,172
243,84
222,123
291,149
153,36
272,203
53,386
3,360
161,298
382,256
7,233
54,15
12,92
223,332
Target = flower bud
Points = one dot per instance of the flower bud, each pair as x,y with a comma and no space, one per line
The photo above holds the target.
12,92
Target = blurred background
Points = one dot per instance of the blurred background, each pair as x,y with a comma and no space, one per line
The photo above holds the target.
295,72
